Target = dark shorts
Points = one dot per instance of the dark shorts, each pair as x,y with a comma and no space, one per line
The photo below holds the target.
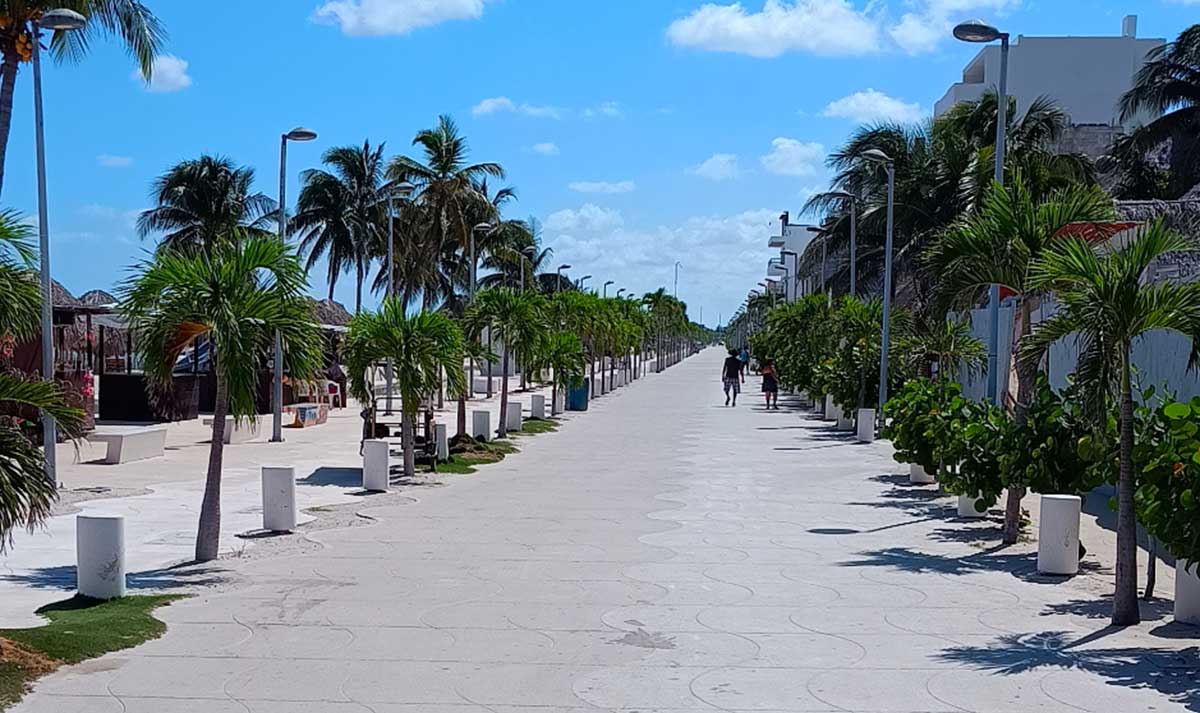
734,384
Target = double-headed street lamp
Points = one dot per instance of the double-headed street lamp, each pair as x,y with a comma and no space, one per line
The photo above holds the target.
606,284
853,201
979,31
297,134
61,20
878,156
559,272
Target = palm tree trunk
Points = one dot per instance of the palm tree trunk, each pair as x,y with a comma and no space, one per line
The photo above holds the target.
1125,601
358,277
462,415
208,533
406,441
592,374
503,431
554,397
8,82
1026,384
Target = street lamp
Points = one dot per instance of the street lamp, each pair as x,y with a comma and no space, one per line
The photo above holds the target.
297,134
403,191
606,284
528,253
61,20
677,266
558,282
853,201
878,156
978,31
794,273
479,228
620,291
582,280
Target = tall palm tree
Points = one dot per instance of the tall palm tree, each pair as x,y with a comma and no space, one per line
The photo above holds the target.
342,213
205,200
1168,87
1134,174
999,244
562,354
26,494
137,28
421,346
518,320
944,342
1106,304
239,294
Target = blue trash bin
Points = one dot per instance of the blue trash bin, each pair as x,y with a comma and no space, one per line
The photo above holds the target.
577,396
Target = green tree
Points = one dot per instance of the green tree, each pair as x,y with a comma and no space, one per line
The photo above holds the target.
130,21
1106,304
518,321
562,354
238,294
421,346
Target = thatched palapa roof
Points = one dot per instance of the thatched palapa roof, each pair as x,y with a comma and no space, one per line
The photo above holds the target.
97,298
331,313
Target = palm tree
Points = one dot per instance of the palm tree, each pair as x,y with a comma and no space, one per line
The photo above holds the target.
1106,304
945,342
130,20
239,294
342,213
26,494
998,244
518,321
1168,87
421,346
205,200
562,354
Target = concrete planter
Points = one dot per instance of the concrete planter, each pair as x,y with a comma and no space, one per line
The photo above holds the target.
100,555
966,506
375,466
830,410
917,475
537,406
481,425
512,419
442,436
845,422
1187,592
279,498
1058,535
866,425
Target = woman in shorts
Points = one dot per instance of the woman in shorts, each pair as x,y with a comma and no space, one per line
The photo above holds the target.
770,384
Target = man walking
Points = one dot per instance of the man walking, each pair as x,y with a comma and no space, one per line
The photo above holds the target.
731,376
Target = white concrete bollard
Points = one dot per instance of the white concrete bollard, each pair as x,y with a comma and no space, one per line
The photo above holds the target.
1058,534
830,413
376,466
918,476
279,498
100,555
442,434
1187,592
481,425
512,419
866,425
966,506
537,406
560,402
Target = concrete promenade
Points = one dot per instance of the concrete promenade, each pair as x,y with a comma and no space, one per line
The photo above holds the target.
659,554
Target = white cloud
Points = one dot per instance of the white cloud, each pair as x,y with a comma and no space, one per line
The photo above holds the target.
169,75
587,218
546,148
394,17
602,186
608,108
825,27
870,105
110,161
504,105
718,167
822,27
789,157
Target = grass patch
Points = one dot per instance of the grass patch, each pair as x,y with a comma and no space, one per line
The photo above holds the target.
536,426
79,629
465,457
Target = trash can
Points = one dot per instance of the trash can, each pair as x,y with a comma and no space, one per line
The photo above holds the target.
577,396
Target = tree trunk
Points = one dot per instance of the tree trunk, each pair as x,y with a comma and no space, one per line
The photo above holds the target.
554,397
592,376
462,415
1151,570
8,82
503,431
406,440
208,534
358,282
1125,602
1026,384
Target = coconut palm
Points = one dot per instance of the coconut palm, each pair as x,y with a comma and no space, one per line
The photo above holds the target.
945,342
518,321
421,346
205,200
130,21
239,294
1106,304
342,213
562,354
998,244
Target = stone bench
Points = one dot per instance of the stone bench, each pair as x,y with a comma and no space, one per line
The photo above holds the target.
236,431
131,445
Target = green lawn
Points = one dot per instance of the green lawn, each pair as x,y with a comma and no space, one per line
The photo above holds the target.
78,629
535,426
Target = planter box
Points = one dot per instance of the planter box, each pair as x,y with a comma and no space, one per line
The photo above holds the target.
845,422
966,506
830,410
1187,593
1058,535
917,475
866,425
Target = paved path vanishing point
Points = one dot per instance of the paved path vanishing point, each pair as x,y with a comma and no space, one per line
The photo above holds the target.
659,554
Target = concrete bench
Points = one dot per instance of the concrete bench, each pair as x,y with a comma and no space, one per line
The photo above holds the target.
236,431
135,444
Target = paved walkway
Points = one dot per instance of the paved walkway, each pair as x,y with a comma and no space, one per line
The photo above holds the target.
659,554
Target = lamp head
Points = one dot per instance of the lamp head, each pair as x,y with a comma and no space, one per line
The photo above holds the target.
300,134
976,31
876,155
482,227
403,189
564,267
61,20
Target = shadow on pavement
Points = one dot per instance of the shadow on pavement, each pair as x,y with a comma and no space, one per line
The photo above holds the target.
182,575
1022,565
340,477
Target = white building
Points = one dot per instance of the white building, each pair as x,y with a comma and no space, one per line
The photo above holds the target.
791,241
1086,76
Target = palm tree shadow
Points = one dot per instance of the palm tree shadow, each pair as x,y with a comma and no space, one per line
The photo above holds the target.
1174,674
1022,565
187,574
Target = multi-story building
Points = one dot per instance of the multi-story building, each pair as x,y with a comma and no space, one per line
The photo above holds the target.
784,271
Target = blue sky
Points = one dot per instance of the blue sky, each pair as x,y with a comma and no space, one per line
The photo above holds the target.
639,132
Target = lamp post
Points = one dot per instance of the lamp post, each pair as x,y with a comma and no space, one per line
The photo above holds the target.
853,201
297,134
526,254
402,190
620,291
677,265
979,31
794,274
582,280
480,228
559,272
61,20
606,284
880,157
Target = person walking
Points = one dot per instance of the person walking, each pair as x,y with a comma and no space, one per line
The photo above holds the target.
731,376
744,358
770,384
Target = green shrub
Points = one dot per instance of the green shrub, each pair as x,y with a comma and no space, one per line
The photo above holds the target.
1049,453
915,415
1168,493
